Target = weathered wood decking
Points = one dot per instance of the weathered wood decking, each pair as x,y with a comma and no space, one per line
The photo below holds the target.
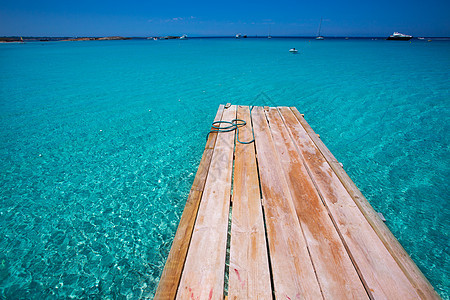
300,228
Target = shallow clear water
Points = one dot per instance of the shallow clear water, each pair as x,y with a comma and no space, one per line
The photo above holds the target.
100,142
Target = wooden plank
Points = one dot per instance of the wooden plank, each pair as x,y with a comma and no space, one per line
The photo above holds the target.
415,276
203,274
380,273
335,271
249,265
171,274
292,271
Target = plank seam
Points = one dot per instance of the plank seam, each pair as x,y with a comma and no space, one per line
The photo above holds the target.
272,284
226,275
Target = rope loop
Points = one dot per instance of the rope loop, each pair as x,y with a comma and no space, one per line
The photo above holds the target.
233,125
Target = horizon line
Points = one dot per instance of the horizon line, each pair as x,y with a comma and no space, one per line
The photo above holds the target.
203,36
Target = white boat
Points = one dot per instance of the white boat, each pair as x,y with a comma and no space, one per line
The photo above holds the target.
319,37
397,36
238,36
183,37
293,50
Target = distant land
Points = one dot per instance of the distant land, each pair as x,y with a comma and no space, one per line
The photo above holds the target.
18,39
108,38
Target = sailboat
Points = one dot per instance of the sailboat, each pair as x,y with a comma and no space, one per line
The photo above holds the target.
319,37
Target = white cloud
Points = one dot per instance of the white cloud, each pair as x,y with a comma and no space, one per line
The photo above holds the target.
171,20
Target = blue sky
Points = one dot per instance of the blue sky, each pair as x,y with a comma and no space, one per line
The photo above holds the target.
206,18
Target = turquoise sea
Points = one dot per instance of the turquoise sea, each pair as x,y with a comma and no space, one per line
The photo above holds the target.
100,142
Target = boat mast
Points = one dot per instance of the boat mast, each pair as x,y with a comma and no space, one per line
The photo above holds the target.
320,26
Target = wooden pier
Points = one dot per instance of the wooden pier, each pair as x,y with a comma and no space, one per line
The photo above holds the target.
279,218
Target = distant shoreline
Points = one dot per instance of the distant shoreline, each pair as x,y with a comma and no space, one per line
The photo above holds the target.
108,38
17,39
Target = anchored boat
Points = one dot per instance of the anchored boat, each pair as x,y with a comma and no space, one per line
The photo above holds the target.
397,36
319,37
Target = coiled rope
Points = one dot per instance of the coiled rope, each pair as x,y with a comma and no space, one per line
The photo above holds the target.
233,125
